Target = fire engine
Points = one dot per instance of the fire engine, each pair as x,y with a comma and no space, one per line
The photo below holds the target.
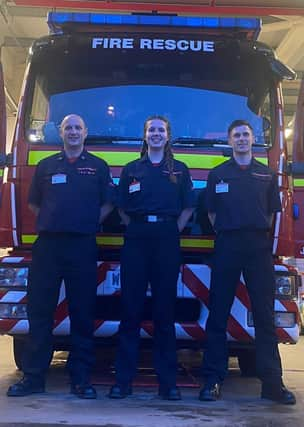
115,70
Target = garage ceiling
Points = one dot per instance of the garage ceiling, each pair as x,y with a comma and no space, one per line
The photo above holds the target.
22,21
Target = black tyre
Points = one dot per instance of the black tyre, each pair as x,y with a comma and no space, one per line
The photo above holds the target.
247,363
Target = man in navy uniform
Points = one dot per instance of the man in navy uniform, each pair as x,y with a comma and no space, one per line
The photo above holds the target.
70,194
242,199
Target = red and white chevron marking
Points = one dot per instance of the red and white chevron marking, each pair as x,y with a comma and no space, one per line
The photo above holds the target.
193,282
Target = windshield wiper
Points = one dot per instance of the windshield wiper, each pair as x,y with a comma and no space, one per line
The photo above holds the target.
113,138
189,141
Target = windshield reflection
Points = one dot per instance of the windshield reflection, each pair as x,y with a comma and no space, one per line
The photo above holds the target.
117,113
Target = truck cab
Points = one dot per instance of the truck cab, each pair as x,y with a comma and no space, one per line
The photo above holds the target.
115,71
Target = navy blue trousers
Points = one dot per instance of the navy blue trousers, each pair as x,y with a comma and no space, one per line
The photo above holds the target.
246,252
151,254
70,257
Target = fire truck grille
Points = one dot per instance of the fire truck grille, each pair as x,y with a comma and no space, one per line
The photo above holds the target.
186,309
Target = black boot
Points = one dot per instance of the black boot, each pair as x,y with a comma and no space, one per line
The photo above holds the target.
27,385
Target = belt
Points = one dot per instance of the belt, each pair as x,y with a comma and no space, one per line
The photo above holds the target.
153,218
244,230
64,234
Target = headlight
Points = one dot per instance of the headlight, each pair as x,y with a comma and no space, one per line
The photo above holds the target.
13,311
282,319
11,276
285,286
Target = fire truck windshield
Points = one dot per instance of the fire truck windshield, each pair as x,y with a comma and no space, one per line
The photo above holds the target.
115,91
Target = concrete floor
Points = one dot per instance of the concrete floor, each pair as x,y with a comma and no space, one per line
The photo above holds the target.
240,405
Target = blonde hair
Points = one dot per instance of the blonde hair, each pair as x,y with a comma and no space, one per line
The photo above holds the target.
168,154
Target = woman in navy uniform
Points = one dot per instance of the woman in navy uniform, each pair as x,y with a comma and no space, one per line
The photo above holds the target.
156,200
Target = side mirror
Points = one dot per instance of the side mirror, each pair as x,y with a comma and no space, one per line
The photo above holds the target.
6,160
266,124
281,70
296,168
51,133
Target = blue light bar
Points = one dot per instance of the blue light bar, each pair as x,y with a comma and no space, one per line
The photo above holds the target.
57,19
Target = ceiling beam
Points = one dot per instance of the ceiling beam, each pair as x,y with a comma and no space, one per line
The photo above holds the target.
289,48
36,12
277,26
209,8
24,42
10,102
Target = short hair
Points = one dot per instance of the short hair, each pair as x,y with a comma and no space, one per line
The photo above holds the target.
66,118
237,123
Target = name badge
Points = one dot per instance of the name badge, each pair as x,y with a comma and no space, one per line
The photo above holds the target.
222,187
59,178
135,186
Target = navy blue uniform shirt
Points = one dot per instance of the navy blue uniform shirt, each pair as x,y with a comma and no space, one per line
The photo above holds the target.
145,188
70,195
242,198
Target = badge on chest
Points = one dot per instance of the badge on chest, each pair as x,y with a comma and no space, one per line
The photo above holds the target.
59,178
134,187
222,187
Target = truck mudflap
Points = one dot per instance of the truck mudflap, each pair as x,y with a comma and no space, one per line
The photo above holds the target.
192,304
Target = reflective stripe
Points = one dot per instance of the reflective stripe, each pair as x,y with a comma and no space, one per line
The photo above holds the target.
118,241
110,240
103,240
116,158
197,243
35,156
298,182
194,283
28,238
1,172
120,158
14,215
196,183
205,161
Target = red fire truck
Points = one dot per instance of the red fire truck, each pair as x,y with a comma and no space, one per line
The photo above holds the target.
116,70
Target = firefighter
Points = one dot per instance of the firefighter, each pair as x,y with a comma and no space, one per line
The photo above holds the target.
156,200
71,192
242,199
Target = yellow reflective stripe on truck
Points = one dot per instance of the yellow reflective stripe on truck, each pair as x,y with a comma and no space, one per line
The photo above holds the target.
118,241
110,240
28,238
101,240
197,243
298,182
120,158
35,156
113,158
